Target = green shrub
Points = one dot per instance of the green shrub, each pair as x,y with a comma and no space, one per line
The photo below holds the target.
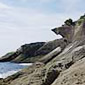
82,17
69,22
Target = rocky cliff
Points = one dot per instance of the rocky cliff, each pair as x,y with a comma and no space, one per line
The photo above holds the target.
23,54
33,52
61,65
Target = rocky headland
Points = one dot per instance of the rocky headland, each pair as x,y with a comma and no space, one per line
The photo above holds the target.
57,62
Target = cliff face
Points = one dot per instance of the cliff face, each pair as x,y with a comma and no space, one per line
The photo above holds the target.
24,53
72,32
63,65
33,52
65,31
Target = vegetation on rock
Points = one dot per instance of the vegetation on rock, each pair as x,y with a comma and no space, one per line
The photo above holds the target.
69,22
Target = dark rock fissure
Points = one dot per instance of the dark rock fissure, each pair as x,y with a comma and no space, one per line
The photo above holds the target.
51,76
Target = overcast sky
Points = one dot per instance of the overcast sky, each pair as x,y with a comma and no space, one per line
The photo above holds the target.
26,21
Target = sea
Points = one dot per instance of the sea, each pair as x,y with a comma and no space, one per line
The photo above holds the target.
8,68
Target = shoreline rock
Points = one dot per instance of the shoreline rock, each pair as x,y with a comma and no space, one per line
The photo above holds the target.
64,68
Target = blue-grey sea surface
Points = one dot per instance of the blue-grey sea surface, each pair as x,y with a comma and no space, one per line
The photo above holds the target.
8,68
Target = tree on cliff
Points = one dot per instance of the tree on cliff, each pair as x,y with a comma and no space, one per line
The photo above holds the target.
69,22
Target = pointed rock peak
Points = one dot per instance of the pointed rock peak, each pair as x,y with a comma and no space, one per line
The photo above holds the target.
65,31
72,30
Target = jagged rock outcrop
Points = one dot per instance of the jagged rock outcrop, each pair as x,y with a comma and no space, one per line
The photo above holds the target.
8,57
60,66
24,53
65,31
34,51
72,32
51,45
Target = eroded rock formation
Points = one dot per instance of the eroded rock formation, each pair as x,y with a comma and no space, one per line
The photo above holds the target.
63,64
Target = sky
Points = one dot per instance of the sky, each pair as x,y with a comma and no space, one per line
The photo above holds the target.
27,21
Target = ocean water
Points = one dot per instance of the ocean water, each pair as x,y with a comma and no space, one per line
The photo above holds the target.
8,68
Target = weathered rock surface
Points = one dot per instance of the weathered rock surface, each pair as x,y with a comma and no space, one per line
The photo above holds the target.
24,53
34,51
51,45
61,65
75,75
